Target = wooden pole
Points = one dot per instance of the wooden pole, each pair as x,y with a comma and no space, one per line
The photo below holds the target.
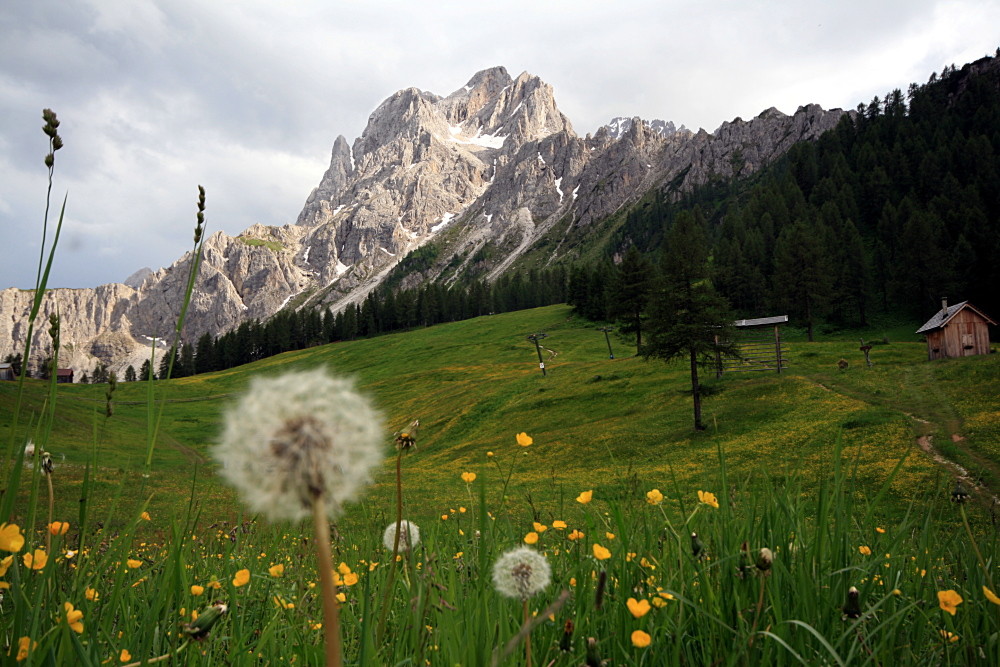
777,346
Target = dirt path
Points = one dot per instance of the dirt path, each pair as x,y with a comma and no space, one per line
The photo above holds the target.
947,420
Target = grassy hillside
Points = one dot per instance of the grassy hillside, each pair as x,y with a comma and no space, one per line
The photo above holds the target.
618,426
814,476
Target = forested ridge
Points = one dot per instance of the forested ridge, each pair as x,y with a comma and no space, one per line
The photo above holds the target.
895,208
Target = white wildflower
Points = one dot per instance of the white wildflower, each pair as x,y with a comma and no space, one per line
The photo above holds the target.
409,535
294,438
520,573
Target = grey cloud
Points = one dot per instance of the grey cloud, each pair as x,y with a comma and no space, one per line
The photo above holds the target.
246,98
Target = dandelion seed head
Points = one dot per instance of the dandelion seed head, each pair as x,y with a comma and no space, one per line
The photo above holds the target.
520,573
409,535
294,438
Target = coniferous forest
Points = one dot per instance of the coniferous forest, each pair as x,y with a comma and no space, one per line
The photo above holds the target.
895,208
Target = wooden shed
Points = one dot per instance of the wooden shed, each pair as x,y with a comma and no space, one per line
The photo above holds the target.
7,371
64,375
961,330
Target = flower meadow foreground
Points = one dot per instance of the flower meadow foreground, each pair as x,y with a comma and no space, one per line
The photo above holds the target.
675,576
800,572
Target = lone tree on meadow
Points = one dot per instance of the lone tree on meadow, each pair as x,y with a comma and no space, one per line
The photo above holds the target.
687,317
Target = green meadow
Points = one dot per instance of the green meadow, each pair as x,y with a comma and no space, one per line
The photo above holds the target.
823,466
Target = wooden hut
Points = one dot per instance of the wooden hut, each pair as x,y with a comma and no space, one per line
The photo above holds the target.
961,330
7,371
64,375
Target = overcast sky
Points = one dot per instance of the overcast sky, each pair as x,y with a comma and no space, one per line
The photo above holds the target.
246,97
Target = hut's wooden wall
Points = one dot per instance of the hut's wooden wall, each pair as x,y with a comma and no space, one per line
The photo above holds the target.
966,334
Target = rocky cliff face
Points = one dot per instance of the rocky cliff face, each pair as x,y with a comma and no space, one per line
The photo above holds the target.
494,163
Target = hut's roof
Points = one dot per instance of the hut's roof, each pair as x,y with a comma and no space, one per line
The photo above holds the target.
943,316
761,321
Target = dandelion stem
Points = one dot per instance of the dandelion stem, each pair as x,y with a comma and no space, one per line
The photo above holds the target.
331,610
395,550
52,504
527,637
756,616
160,658
529,625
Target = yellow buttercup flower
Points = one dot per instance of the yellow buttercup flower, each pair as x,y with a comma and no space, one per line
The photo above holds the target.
133,563
864,551
948,636
539,527
24,647
350,579
58,527
197,590
949,601
708,498
601,553
654,497
36,560
610,536
91,594
124,656
575,535
74,617
585,497
990,595
638,608
276,570
145,516
468,477
11,538
524,439
531,538
242,578
5,564
489,455
640,639
559,525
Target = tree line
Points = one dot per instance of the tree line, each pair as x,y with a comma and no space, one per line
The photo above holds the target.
385,310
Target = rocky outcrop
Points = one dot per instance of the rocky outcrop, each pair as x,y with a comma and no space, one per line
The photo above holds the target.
620,125
495,163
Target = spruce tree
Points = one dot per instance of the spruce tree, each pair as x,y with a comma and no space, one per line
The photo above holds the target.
687,317
630,293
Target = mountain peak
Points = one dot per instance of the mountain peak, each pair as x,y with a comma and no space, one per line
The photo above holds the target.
493,78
